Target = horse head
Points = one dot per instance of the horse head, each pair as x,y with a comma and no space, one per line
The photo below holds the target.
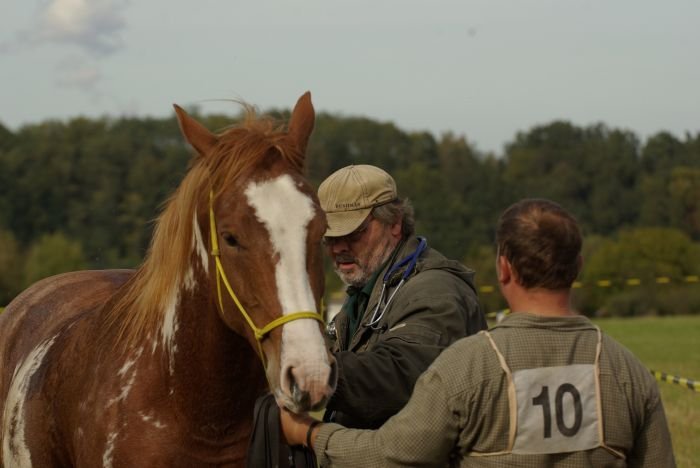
261,217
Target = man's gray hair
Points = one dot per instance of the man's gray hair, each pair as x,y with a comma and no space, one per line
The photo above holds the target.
392,212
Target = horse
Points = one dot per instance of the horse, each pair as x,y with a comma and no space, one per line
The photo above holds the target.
161,366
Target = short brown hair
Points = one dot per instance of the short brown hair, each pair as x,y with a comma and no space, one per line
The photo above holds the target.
542,242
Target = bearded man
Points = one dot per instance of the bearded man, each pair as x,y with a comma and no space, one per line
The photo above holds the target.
405,301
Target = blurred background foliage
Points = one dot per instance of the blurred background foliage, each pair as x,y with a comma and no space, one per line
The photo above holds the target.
83,194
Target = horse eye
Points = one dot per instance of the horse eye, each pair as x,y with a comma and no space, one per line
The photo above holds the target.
230,239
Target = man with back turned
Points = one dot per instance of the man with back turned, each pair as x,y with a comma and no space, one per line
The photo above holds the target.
543,388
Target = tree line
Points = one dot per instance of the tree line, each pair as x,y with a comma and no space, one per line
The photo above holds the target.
83,193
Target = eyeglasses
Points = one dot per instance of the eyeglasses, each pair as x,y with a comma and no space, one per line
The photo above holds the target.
351,238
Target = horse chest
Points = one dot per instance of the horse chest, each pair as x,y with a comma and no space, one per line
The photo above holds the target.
136,420
149,439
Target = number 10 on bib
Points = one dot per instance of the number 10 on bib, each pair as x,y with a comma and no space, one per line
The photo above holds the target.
557,409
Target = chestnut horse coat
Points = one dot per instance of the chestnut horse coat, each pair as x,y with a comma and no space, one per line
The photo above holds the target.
158,367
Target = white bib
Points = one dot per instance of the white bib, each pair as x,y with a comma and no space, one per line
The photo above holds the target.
556,409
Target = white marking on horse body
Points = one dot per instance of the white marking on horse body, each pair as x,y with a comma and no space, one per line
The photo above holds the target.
129,363
169,329
189,280
109,448
200,250
286,211
124,391
126,388
158,424
150,419
198,244
14,445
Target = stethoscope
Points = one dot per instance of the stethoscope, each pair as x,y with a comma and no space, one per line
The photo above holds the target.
410,260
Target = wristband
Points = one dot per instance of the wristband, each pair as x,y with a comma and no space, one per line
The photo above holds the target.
308,433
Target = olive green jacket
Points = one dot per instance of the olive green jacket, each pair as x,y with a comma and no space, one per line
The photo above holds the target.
378,368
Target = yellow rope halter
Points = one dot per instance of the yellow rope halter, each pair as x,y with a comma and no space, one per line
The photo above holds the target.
259,333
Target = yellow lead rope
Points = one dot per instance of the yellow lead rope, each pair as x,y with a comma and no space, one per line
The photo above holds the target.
259,333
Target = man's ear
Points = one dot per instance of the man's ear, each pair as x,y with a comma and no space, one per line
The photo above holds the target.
396,229
504,270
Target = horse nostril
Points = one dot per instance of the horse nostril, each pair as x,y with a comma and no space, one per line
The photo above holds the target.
301,397
293,387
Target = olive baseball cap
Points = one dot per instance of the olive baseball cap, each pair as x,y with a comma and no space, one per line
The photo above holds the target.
349,194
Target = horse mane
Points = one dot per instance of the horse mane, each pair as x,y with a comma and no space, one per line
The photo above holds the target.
143,301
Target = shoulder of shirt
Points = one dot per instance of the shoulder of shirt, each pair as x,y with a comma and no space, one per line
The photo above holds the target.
623,362
467,363
472,343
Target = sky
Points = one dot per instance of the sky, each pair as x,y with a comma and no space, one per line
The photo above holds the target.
485,69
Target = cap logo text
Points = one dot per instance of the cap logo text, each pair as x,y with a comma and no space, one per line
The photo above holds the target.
347,205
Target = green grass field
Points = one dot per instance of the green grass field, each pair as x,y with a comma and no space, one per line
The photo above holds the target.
671,345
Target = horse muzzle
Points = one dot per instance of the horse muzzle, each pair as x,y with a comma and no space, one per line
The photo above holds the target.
307,387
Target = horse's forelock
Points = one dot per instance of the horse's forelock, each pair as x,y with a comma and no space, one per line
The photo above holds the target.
243,146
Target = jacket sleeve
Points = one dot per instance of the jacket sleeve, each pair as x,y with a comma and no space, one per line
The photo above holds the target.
652,446
375,384
422,434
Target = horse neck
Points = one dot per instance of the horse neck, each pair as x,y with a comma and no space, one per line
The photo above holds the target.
215,373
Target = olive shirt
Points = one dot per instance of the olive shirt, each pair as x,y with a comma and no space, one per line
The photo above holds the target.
460,405
378,368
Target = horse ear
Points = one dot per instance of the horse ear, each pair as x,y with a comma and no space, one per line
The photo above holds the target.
301,123
195,133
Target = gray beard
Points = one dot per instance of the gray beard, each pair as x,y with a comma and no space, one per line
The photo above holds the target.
365,272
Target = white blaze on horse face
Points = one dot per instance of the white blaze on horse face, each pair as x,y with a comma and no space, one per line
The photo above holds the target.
286,211
15,451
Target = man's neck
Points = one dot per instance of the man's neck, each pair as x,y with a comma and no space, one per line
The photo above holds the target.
543,302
